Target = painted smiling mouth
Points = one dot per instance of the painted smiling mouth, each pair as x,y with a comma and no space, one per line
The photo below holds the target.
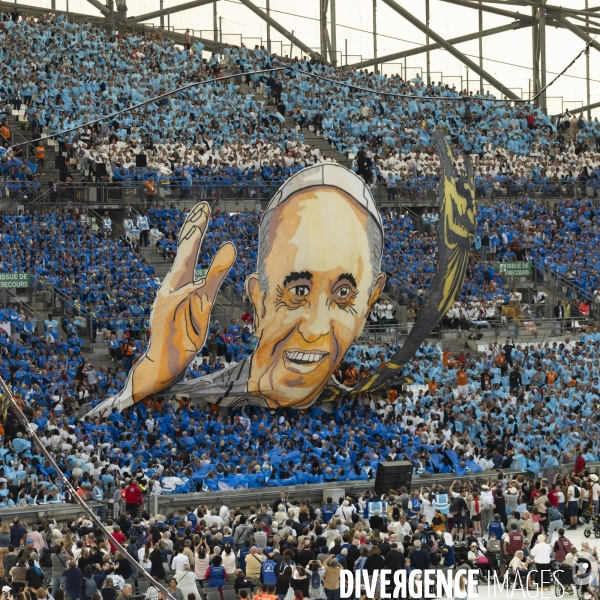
305,358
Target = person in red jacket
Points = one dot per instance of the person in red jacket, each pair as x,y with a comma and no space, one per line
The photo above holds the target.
118,535
133,498
530,121
579,463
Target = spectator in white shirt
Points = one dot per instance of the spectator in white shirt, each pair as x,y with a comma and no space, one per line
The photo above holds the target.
542,555
178,561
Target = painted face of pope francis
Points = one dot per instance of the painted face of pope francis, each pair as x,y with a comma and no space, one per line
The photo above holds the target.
318,275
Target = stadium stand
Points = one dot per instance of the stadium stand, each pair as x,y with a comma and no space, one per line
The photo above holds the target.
245,146
437,426
290,545
49,374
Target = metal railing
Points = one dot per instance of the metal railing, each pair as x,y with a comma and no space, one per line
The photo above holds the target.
522,329
244,498
560,285
247,194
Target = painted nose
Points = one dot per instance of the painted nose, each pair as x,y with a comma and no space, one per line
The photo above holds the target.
317,319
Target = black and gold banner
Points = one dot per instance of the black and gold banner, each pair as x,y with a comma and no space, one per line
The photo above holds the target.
456,230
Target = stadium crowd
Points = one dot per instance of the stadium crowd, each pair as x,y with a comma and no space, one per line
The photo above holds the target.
465,415
242,142
104,283
289,548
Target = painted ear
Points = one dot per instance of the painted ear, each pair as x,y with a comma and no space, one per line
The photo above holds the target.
256,297
379,285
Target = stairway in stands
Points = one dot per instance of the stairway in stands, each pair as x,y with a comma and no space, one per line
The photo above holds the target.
310,137
20,132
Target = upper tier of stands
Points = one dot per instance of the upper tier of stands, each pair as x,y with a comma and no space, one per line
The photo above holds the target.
217,134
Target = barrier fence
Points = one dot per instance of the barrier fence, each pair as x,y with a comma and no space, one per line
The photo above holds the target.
245,498
96,328
409,192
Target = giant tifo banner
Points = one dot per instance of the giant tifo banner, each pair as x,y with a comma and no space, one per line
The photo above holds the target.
318,274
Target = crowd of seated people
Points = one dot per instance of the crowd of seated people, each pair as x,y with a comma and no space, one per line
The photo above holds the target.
557,237
213,137
523,406
83,262
94,274
210,136
106,282
515,150
110,282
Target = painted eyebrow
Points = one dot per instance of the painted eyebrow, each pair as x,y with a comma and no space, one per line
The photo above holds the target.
297,277
347,276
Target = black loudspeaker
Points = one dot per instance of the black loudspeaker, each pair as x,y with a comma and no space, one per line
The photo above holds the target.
60,162
141,160
393,476
101,170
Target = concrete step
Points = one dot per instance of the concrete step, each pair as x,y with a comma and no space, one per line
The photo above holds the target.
97,355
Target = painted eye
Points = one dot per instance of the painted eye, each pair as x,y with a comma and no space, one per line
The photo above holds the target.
300,290
344,292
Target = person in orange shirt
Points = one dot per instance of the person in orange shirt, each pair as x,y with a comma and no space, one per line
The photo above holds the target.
433,386
461,379
351,376
41,155
393,396
584,309
501,360
5,131
446,357
150,188
551,377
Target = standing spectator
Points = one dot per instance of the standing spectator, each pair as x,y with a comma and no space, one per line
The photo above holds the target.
144,226
150,188
216,574
331,582
133,498
59,563
17,531
254,562
118,535
485,246
73,580
559,315
542,556
10,559
41,155
555,521
186,39
179,560
391,187
186,582
107,223
539,300
562,546
595,493
128,226
579,463
572,503
19,575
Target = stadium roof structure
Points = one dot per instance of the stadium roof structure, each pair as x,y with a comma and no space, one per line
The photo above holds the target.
535,14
